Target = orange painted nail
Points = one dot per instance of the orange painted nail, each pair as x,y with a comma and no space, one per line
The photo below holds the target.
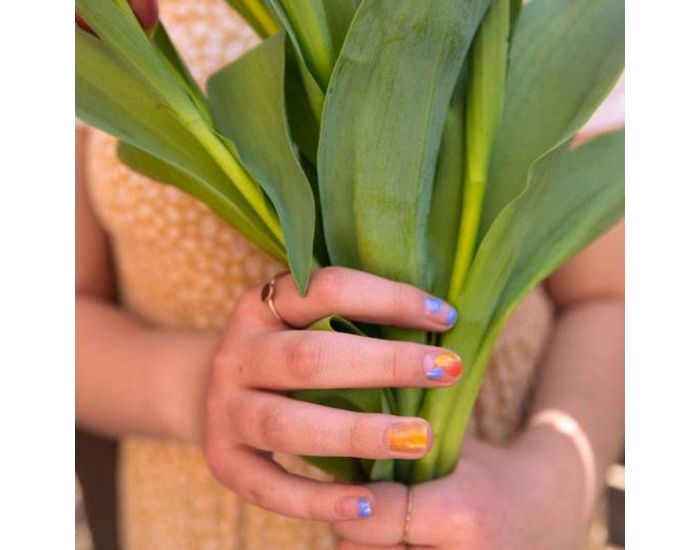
408,437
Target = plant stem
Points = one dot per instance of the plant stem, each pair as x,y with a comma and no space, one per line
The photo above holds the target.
449,410
487,74
310,24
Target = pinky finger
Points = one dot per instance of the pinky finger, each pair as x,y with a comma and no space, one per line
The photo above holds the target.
262,482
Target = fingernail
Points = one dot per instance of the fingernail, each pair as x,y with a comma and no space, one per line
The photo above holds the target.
440,311
409,437
442,366
353,507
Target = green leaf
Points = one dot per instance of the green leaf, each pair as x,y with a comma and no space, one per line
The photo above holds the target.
381,131
257,15
111,97
314,92
247,101
487,74
218,197
446,207
572,197
565,58
339,14
317,29
308,23
303,121
162,41
137,74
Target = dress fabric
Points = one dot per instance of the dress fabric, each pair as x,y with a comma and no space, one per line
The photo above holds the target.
180,266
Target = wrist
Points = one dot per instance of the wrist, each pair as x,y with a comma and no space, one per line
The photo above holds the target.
179,377
556,468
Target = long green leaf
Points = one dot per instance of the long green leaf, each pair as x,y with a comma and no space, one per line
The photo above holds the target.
112,98
446,207
309,23
382,126
571,198
162,41
487,74
208,190
121,35
565,58
247,101
314,92
258,16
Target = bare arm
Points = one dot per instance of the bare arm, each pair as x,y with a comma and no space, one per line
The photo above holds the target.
584,370
131,379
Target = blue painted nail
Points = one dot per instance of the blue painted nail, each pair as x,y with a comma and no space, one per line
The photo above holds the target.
451,316
364,507
440,311
436,373
433,305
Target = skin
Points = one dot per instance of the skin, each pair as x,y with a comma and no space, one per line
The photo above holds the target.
224,393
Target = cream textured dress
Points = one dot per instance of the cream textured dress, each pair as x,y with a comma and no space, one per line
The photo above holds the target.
180,266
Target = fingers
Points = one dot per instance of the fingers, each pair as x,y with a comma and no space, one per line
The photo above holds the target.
362,297
314,359
262,482
385,527
276,423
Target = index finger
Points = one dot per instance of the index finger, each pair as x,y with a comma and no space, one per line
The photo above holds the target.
362,297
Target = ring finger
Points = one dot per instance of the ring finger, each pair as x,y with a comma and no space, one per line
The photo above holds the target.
273,422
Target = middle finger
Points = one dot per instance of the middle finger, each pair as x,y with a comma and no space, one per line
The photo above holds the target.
314,360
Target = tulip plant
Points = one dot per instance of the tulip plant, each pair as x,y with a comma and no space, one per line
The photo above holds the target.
426,141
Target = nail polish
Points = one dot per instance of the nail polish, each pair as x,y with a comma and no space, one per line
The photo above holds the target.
364,507
408,437
353,507
442,366
440,311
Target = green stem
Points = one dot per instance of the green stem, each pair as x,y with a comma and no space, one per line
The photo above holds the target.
487,74
448,410
310,24
250,190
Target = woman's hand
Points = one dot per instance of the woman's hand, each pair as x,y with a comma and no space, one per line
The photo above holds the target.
247,415
528,496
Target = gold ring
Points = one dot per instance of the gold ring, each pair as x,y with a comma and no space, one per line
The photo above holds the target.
407,519
268,293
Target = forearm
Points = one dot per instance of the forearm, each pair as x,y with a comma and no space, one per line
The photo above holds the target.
136,380
583,376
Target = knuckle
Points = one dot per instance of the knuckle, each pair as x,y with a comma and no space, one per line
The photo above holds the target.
273,428
472,521
394,361
315,507
400,296
358,431
304,358
257,492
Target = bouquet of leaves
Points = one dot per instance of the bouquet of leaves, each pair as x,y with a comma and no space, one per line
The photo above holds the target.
426,141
